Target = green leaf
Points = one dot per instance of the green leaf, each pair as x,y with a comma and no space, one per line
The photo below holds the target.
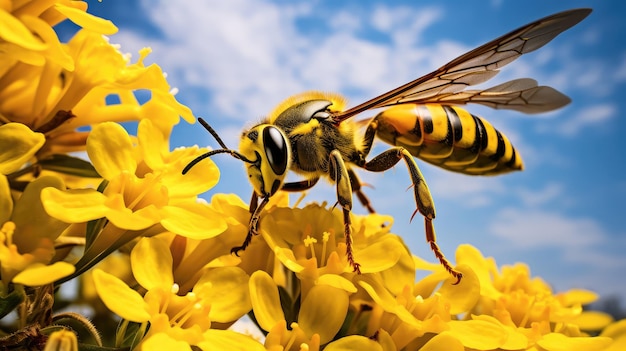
69,165
9,302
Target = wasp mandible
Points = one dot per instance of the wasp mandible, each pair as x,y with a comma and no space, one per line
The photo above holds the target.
313,135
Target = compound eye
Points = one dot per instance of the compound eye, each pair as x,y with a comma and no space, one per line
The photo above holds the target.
275,149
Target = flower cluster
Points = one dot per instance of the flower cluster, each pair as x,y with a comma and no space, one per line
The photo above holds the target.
153,262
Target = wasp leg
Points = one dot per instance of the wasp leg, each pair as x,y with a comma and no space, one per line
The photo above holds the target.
253,226
356,184
339,173
423,199
300,186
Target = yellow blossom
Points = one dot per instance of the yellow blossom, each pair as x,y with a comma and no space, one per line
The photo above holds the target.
525,307
18,144
617,332
75,79
220,295
62,340
314,325
310,242
27,240
137,198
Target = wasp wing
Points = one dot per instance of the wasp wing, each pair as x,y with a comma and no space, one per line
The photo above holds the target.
477,66
523,95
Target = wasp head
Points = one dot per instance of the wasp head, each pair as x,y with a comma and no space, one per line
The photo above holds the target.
267,149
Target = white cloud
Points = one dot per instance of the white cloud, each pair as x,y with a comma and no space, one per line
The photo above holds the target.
467,190
405,25
620,71
590,116
538,197
251,54
535,228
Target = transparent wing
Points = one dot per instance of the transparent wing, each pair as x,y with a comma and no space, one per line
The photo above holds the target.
480,65
521,95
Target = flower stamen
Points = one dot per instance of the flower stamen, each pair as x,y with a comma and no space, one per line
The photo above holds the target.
147,188
8,228
292,337
166,303
183,315
309,242
325,237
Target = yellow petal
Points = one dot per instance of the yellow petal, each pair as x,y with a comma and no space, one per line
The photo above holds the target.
388,303
55,51
592,320
151,262
227,289
354,343
202,177
478,334
30,218
215,339
123,217
265,300
615,330
379,256
162,341
74,206
285,255
482,267
516,339
443,342
86,20
193,220
6,202
386,341
110,149
579,296
326,321
14,31
153,144
338,282
402,273
427,285
18,144
39,274
560,342
119,298
463,296
62,340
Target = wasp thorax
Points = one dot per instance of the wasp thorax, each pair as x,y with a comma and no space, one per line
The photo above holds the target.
267,147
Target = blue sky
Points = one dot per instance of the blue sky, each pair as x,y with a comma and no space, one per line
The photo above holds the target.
232,61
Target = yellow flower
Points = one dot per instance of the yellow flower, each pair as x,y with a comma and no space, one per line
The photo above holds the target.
26,32
531,315
27,240
411,318
220,295
18,144
617,332
310,242
138,199
74,80
62,340
312,326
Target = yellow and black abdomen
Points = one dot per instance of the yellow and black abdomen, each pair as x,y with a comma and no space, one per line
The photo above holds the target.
449,137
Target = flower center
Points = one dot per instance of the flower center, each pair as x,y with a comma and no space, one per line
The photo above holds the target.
310,242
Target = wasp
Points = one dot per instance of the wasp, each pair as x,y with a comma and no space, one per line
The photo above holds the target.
313,135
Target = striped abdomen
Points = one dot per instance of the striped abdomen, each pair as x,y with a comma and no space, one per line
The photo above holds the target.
449,137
